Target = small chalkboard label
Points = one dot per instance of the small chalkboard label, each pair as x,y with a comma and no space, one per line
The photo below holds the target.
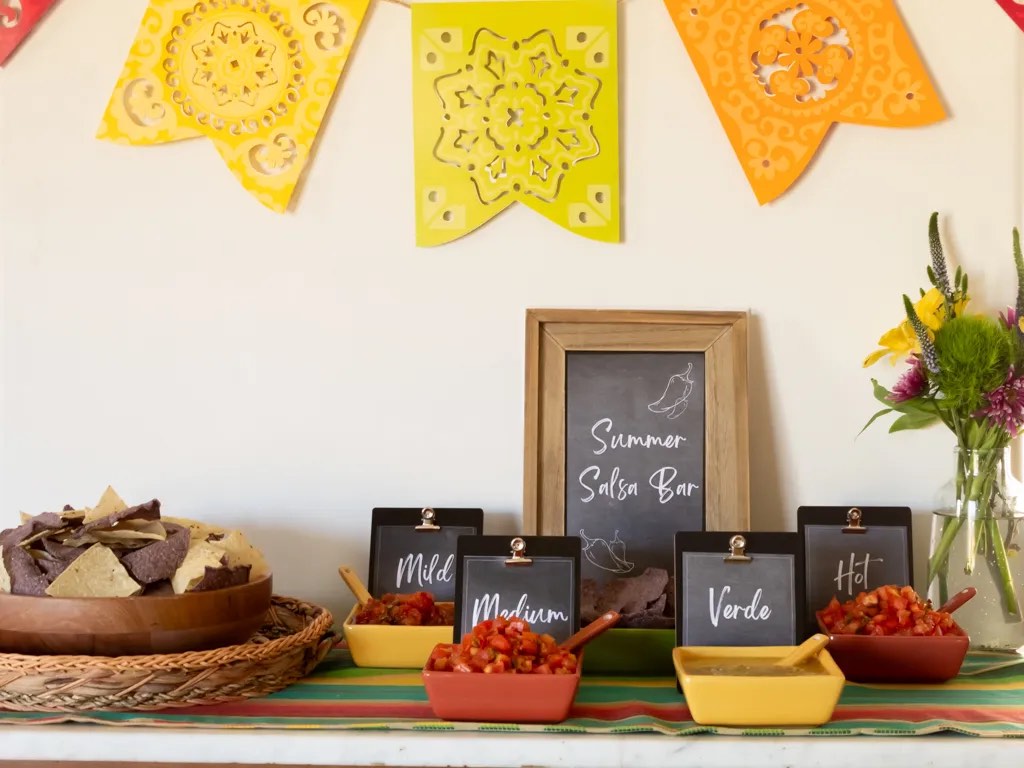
634,458
536,578
849,550
738,588
413,549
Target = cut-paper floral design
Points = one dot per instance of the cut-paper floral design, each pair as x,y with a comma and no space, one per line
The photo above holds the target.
780,73
253,76
516,102
1015,9
17,19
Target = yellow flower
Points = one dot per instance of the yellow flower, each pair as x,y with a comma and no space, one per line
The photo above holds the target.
902,341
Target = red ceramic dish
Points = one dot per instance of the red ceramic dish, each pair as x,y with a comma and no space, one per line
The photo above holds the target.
501,698
897,658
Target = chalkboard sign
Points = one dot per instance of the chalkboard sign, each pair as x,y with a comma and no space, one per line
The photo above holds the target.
848,550
413,549
536,578
634,458
739,589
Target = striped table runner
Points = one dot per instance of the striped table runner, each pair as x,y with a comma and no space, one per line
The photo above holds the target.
987,699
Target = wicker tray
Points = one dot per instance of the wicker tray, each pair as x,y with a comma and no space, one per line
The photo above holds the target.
294,639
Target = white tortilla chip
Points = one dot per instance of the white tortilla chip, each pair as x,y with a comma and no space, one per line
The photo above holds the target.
5,577
241,552
108,504
25,517
201,555
151,530
96,573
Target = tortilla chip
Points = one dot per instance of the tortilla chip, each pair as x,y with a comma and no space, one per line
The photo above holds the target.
5,577
222,578
25,517
109,504
97,573
148,511
149,530
200,556
241,553
47,521
160,560
52,567
60,551
198,531
26,577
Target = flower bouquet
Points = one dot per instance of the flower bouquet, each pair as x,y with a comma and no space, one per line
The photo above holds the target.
966,371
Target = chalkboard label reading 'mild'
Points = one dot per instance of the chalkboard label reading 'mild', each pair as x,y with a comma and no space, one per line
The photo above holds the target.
545,592
843,563
753,602
634,457
404,559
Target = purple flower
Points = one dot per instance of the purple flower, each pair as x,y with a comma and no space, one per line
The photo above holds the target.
911,384
1010,318
1006,405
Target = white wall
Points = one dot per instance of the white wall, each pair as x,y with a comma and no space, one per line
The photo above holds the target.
165,333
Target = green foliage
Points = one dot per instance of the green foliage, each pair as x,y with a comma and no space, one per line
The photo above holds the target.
974,356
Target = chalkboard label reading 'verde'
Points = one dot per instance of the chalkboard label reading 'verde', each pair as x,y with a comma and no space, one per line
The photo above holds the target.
411,551
537,580
738,589
634,457
849,550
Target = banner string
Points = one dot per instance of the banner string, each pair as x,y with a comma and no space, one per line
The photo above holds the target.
408,3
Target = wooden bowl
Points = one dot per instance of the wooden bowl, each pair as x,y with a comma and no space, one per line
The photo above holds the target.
133,626
501,698
897,658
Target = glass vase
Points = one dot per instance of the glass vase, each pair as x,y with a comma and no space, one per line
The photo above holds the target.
977,533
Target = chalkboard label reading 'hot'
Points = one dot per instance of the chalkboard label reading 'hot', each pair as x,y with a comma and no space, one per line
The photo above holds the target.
404,559
754,602
634,457
545,592
842,563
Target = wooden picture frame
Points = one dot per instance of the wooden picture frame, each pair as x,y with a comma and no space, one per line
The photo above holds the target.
722,336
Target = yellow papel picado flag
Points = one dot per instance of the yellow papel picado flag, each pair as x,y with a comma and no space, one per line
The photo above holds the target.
516,101
254,77
780,73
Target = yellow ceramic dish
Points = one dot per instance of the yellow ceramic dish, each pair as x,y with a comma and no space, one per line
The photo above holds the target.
383,645
733,699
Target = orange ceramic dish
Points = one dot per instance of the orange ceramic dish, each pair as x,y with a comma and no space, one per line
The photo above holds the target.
897,658
501,697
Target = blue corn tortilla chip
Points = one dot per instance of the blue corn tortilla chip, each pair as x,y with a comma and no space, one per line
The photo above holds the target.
148,511
26,577
222,578
159,560
47,521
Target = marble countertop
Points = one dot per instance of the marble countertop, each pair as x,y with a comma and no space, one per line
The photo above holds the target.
397,748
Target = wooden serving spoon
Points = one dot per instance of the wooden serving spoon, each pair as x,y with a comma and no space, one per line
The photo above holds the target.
355,584
958,600
589,632
807,649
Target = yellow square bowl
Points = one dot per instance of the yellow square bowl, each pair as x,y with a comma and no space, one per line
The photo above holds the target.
397,647
763,700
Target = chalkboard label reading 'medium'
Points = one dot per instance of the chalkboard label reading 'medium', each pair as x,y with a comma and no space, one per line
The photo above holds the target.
545,592
634,457
406,558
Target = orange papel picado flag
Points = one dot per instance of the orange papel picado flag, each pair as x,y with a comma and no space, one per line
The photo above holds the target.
780,72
